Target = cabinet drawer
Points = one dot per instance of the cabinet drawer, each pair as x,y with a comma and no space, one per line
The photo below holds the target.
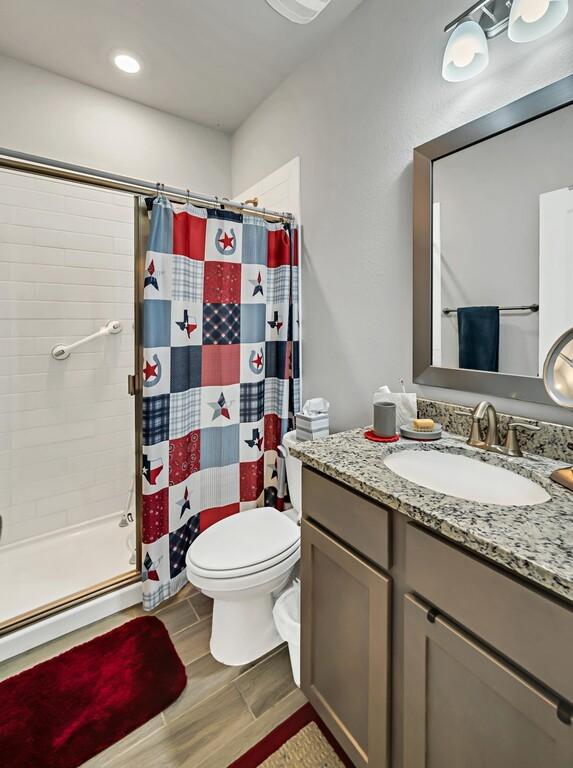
359,523
527,627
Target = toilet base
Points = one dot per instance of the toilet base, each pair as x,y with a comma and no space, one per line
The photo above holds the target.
244,630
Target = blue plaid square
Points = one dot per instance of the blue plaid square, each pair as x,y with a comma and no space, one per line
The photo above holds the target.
155,419
252,402
277,397
179,542
184,412
187,277
278,285
294,403
222,324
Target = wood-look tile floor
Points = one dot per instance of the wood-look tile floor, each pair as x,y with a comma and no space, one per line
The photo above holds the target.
222,712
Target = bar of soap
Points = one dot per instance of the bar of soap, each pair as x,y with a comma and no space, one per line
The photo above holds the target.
423,425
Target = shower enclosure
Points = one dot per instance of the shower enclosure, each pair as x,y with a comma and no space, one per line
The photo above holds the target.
73,243
69,435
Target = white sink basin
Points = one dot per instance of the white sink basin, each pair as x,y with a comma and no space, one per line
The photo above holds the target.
466,478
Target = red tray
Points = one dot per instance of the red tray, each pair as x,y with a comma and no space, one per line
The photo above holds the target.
371,435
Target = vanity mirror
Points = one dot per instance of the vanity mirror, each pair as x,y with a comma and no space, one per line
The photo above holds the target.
493,247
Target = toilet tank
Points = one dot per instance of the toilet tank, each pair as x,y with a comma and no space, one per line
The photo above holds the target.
294,471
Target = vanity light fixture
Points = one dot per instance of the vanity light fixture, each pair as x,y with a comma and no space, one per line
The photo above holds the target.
531,19
299,11
466,53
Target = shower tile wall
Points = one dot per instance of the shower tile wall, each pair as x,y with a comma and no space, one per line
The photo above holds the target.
66,427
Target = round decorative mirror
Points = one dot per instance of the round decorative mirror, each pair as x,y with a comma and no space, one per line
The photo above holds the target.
558,380
558,370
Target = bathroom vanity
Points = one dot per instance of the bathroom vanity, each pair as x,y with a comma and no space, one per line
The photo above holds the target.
436,632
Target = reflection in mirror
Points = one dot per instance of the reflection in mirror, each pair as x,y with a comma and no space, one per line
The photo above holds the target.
502,272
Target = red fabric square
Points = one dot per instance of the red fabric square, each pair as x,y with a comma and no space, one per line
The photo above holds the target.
189,236
220,365
210,516
184,457
272,432
222,283
252,479
155,517
278,248
294,235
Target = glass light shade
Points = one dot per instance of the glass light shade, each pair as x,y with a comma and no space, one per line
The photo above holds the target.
558,370
530,19
299,11
466,53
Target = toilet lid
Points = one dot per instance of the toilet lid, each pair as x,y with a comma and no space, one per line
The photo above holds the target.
247,538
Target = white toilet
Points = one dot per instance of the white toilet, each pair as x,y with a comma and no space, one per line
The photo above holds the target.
243,562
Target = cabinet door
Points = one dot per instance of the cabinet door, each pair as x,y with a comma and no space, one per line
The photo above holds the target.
345,608
465,708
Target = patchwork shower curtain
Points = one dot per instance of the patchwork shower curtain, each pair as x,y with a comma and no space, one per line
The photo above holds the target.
220,377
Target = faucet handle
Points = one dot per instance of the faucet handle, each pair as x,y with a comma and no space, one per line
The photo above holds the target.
521,425
511,444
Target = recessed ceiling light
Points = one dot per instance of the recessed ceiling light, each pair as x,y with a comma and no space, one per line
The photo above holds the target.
127,63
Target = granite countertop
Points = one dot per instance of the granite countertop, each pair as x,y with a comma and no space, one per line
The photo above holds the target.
533,541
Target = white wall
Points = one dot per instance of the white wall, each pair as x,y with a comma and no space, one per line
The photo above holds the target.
66,426
353,113
45,114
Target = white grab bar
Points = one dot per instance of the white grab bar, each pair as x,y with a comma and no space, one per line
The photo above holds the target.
63,351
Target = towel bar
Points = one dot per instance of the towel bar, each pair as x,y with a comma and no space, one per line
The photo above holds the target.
523,308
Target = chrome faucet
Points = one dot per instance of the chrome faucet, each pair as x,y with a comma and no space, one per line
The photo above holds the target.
491,442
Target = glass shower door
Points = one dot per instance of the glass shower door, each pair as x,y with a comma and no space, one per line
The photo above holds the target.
66,418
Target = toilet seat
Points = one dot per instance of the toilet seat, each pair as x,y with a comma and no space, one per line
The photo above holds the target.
242,544
229,585
233,573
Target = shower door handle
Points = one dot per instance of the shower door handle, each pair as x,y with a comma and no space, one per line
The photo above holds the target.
131,385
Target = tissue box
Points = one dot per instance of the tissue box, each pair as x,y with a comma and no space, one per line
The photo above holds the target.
312,427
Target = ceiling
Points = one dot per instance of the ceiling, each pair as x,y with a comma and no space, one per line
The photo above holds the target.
210,61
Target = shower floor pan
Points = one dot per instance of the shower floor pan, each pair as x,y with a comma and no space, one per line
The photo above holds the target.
53,566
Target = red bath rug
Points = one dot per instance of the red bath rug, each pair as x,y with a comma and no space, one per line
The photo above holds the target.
60,713
270,747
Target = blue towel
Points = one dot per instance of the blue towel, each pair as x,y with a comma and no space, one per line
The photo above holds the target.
478,334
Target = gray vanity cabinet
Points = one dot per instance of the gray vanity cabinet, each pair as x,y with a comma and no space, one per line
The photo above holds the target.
345,608
406,633
464,707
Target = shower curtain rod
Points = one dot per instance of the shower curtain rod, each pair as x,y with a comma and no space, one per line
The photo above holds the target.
44,167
